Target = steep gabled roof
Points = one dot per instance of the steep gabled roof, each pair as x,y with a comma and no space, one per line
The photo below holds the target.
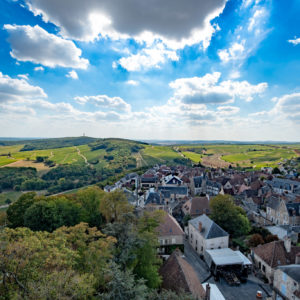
179,275
292,270
169,226
275,254
210,229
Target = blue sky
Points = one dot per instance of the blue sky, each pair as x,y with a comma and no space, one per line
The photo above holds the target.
150,69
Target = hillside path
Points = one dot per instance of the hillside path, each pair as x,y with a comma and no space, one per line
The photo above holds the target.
84,158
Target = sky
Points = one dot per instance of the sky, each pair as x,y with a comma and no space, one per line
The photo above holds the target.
155,69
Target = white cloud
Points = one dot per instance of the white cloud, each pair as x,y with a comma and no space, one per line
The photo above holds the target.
132,82
257,19
40,68
12,89
234,52
207,90
36,45
72,74
171,20
23,76
228,110
245,39
148,58
114,103
295,41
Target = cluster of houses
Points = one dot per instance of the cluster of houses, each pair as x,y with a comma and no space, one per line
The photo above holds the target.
184,194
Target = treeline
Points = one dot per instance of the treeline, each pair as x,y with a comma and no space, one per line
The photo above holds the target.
59,179
42,144
89,245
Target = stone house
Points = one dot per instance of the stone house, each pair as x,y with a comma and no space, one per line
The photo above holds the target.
205,234
170,235
196,206
286,283
178,275
269,256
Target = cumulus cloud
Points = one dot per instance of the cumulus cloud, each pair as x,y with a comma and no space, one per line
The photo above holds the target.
72,74
132,82
13,89
295,41
40,68
288,106
148,58
36,45
114,103
228,110
208,89
171,20
234,52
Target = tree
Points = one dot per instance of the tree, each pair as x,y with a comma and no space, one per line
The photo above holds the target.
229,216
123,286
70,263
271,237
276,171
50,214
89,199
16,211
114,205
255,240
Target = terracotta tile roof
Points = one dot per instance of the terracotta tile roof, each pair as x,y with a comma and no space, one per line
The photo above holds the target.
178,275
275,254
199,206
169,226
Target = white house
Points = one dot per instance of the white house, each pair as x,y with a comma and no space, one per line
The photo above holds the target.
205,234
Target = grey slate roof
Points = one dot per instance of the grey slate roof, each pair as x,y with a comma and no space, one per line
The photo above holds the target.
292,270
198,181
291,207
273,202
153,198
210,229
179,190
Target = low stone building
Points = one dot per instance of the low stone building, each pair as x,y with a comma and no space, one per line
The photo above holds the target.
269,256
178,275
170,235
205,234
286,283
196,206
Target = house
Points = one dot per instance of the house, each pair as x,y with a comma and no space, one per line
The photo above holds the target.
172,180
170,235
281,213
196,206
153,201
173,192
149,180
276,211
178,275
213,188
283,186
286,283
269,256
205,234
197,185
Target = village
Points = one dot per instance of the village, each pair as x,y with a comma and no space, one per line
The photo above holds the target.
200,256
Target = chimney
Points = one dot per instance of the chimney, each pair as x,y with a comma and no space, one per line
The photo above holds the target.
287,244
200,226
207,292
297,261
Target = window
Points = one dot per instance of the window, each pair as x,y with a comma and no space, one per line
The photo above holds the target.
264,268
173,241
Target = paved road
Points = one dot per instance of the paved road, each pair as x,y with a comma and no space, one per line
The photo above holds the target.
246,291
198,264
